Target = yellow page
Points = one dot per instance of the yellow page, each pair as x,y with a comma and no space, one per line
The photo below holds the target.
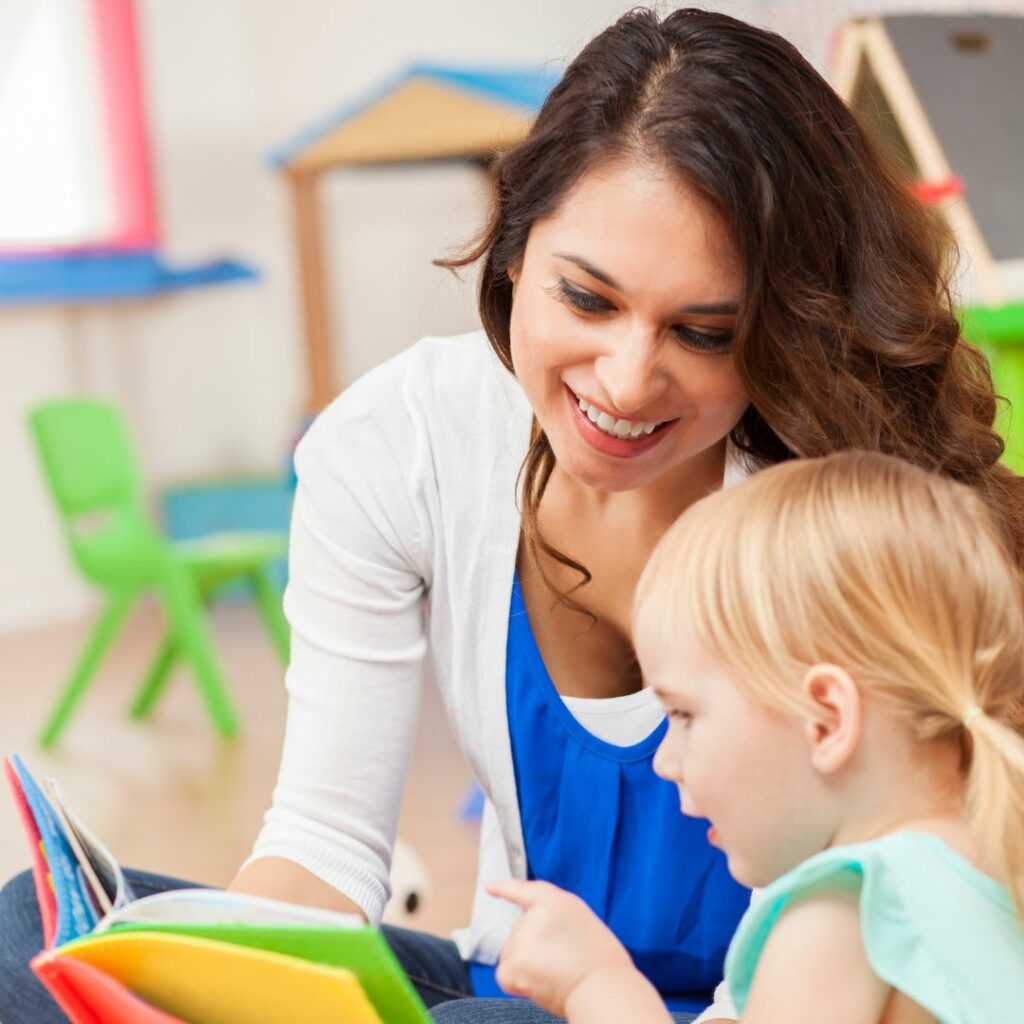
207,982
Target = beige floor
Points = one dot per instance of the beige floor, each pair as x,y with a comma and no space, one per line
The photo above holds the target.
169,796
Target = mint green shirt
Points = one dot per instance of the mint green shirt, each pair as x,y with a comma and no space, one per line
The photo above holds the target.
933,926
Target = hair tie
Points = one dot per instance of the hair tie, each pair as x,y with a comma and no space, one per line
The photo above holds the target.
971,714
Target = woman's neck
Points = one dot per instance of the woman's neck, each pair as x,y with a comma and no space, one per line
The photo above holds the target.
652,506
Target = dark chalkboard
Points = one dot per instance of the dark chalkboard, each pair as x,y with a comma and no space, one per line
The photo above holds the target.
968,73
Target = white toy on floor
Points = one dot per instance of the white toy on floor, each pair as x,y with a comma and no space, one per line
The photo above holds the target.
410,885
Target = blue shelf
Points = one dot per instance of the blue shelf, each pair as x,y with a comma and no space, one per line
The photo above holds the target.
107,276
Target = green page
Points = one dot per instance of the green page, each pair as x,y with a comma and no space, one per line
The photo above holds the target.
362,950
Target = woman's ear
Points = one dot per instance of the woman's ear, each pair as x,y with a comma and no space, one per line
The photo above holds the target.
834,721
513,274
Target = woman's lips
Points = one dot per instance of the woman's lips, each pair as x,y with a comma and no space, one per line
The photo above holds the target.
618,447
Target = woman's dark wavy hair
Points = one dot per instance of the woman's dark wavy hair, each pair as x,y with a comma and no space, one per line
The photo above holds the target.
846,336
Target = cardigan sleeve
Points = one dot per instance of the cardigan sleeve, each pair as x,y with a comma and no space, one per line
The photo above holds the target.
355,603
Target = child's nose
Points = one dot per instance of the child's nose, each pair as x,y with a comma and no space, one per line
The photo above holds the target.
666,764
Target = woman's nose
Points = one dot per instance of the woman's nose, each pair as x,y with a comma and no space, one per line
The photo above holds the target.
630,372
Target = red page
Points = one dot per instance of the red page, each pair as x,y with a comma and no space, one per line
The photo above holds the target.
88,996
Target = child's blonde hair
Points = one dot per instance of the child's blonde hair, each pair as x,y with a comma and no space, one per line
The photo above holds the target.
864,561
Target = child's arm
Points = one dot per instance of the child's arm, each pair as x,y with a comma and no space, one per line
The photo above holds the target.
566,960
814,968
611,996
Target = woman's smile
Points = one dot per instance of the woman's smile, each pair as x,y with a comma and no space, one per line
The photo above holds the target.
619,438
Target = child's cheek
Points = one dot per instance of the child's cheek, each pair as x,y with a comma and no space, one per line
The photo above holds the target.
688,803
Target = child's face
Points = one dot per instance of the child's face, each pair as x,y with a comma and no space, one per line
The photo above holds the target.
737,762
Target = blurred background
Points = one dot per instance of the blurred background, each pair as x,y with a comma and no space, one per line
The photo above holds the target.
193,229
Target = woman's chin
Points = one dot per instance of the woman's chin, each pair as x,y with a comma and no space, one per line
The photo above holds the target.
597,471
607,483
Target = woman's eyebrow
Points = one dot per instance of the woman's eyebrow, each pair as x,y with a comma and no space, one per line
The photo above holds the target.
713,309
702,308
588,267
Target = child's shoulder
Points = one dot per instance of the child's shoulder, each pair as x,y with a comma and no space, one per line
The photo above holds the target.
927,922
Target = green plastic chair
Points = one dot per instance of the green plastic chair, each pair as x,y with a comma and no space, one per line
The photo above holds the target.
999,332
92,471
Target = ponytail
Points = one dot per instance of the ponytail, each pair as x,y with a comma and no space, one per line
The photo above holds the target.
995,796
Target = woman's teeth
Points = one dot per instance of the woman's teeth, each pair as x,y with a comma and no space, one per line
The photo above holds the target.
614,427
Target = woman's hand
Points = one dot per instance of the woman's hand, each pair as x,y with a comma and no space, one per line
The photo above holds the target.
565,959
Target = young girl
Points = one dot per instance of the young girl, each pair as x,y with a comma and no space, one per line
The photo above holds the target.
838,643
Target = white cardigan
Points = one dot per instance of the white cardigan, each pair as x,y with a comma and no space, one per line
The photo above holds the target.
403,546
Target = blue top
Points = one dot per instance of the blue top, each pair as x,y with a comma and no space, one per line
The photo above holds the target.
598,822
933,925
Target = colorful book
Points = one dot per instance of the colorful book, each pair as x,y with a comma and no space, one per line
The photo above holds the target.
192,956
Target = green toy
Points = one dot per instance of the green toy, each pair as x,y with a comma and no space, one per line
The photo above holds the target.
999,332
94,477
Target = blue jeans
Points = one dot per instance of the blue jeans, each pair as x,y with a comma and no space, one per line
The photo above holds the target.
433,965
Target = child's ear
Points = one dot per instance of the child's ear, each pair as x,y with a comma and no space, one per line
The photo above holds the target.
833,723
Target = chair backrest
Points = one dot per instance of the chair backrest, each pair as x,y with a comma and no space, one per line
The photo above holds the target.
87,456
92,471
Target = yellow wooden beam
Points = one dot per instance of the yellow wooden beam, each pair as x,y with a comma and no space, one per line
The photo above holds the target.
321,383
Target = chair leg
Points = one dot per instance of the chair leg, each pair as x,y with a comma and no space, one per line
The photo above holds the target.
102,635
195,644
268,597
156,677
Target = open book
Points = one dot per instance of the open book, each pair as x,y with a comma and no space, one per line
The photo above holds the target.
192,956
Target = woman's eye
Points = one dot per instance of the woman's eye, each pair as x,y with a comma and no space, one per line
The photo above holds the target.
706,341
585,302
588,302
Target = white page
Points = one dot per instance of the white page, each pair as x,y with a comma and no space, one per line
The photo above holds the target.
215,906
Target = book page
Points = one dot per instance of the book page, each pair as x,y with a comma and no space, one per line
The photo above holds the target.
215,906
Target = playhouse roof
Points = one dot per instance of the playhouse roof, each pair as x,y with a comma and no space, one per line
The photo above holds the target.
425,112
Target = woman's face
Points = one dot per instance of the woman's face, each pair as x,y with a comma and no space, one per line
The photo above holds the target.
621,328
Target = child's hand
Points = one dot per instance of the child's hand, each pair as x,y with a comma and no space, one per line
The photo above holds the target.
558,943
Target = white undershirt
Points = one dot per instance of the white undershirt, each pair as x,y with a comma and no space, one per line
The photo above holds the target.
622,721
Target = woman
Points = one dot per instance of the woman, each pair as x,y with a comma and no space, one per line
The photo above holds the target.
697,265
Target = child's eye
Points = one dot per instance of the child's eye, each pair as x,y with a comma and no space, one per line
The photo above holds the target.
683,717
